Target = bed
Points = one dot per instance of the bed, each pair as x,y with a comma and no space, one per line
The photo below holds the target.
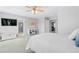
51,43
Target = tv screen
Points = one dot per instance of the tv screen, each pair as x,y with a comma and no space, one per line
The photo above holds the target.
8,22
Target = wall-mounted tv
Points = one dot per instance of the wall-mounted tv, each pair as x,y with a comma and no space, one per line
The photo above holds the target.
8,22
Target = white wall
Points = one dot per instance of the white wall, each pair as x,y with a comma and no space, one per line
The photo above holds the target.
68,19
41,25
13,45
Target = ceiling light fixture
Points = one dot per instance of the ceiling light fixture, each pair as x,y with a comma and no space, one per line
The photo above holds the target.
35,9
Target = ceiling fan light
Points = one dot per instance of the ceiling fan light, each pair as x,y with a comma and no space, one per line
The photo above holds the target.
34,11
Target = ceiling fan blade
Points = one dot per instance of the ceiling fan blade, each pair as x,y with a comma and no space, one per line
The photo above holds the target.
28,6
28,10
39,7
40,10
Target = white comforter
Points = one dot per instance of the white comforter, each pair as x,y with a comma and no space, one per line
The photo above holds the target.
51,43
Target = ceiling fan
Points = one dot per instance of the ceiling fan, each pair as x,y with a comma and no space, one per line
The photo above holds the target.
34,9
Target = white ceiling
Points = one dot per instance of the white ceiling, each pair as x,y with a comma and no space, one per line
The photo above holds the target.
21,10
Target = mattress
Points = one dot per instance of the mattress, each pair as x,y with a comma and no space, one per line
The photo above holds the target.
51,43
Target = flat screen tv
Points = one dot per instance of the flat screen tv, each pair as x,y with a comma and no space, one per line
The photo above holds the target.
8,22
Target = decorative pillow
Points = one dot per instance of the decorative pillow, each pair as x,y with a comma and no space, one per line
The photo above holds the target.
74,39
73,34
77,40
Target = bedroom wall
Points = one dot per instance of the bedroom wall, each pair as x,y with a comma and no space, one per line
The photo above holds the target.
12,29
41,25
68,19
14,45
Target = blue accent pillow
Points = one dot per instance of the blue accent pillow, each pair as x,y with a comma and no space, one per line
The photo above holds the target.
74,39
77,40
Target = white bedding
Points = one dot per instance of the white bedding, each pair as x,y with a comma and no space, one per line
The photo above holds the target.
51,43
